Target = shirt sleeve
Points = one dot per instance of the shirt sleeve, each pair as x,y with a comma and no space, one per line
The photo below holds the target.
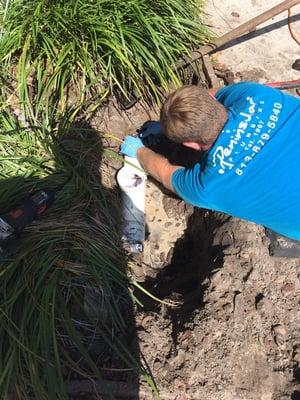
187,184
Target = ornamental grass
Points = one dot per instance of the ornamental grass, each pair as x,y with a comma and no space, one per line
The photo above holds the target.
99,46
66,303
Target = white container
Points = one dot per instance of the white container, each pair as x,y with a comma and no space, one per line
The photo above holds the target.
132,181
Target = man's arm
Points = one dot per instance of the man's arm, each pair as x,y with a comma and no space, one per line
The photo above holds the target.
186,181
157,166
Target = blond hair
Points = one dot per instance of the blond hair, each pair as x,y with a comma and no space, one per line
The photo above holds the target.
191,114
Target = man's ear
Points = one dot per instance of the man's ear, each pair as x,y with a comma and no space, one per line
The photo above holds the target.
192,145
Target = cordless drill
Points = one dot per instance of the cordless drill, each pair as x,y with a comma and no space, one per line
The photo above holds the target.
13,222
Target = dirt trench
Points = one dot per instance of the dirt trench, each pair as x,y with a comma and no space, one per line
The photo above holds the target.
231,327
236,334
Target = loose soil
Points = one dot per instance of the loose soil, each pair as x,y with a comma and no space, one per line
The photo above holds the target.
230,325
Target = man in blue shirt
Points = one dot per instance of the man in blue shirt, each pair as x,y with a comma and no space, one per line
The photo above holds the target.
250,134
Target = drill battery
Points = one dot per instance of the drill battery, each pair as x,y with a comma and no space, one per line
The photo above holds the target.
15,220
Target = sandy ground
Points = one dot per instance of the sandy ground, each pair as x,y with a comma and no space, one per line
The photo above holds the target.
265,55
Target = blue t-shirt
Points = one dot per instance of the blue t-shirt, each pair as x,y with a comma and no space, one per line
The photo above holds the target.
253,169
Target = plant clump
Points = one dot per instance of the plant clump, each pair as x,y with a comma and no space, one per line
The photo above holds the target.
65,306
100,45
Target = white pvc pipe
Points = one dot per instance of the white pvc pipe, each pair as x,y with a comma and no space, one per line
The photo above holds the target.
132,181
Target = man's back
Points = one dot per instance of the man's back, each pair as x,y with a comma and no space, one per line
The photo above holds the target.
252,171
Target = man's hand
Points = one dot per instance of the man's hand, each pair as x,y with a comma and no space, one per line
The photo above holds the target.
130,146
151,133
155,164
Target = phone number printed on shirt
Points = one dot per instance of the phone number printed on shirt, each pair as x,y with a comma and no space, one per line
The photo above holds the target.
264,137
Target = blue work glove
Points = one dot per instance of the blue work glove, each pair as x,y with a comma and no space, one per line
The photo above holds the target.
130,146
151,133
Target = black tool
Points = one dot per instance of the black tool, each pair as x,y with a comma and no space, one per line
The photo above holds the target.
15,220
